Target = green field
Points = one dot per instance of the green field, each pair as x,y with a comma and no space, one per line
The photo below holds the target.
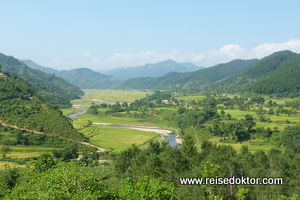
113,95
109,119
237,146
113,138
28,151
116,139
4,164
190,97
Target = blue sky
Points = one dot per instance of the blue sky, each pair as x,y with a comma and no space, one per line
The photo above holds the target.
102,34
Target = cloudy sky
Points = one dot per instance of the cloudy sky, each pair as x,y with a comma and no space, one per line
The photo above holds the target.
101,34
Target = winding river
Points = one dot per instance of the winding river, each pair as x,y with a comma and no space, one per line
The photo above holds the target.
171,135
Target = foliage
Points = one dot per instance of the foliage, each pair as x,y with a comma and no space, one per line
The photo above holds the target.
66,181
50,88
20,107
146,188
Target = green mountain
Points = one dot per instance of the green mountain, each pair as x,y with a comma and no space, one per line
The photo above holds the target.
52,89
33,65
190,80
83,78
87,79
21,107
151,70
275,74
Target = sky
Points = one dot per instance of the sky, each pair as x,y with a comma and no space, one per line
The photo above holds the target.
102,34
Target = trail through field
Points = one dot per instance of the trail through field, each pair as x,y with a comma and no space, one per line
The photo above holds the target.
38,132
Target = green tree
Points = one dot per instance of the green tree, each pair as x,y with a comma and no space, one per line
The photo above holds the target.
66,181
5,150
147,189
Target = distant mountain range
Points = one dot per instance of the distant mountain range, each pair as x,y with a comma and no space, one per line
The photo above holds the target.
88,79
151,70
190,80
277,74
84,78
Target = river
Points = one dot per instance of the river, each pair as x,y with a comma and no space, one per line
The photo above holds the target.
171,135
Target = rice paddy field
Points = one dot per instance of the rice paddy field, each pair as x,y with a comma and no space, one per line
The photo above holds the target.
113,95
238,146
116,139
4,164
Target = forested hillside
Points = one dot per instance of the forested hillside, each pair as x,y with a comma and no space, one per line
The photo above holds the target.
83,78
190,80
21,107
275,74
52,89
151,70
87,79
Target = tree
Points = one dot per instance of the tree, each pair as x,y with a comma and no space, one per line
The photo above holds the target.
9,179
146,188
66,181
249,123
5,150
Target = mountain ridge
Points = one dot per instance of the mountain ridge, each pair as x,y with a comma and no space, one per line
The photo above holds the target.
151,70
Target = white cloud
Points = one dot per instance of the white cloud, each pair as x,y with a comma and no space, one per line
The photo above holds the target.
267,49
207,59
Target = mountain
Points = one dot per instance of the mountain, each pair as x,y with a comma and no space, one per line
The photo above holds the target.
277,73
151,70
190,80
87,79
22,107
84,78
51,88
33,65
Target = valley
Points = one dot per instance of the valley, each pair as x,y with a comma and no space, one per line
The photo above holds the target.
219,121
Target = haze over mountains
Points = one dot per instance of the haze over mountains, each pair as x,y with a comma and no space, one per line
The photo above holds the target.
276,73
151,70
88,79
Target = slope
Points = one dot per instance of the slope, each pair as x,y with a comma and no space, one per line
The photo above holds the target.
190,80
87,79
52,89
272,74
83,78
21,107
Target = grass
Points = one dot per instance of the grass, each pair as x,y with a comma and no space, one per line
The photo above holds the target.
238,146
72,110
114,95
3,165
191,97
238,114
28,151
117,139
110,119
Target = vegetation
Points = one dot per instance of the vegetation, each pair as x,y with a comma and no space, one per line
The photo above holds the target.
22,108
190,80
224,135
50,88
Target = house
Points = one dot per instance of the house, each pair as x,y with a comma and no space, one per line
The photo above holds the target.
2,75
164,101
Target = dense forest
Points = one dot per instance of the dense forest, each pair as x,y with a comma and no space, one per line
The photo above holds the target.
190,80
22,107
274,74
50,88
